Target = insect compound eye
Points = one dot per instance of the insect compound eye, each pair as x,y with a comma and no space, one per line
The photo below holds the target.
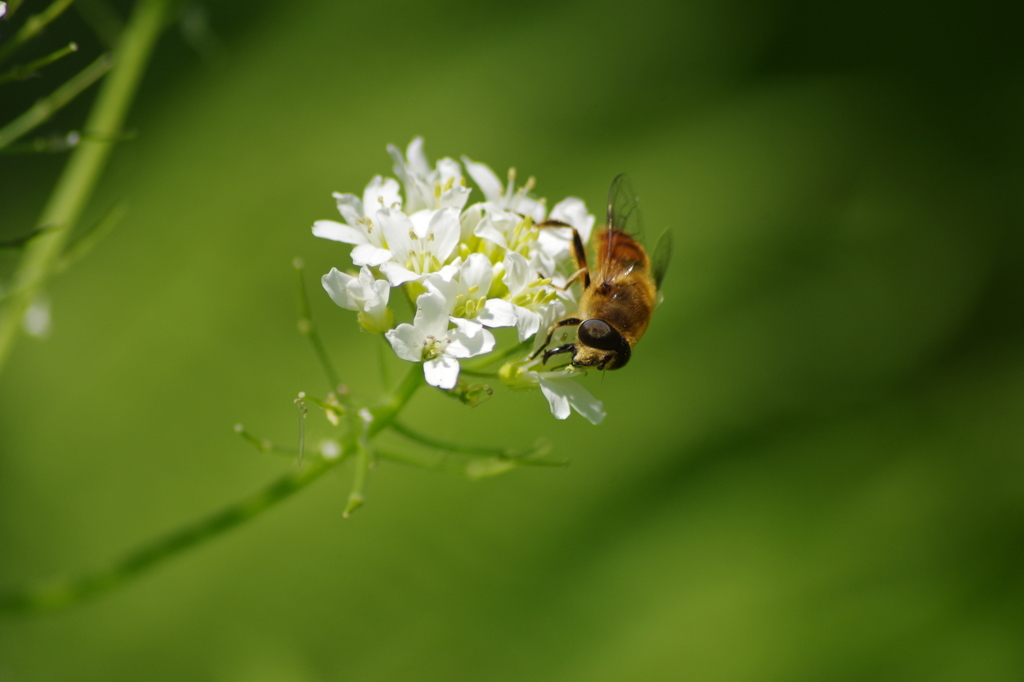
601,335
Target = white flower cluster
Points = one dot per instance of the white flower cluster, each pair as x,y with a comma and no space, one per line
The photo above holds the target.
468,269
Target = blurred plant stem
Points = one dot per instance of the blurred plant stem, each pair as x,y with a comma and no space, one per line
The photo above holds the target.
43,109
32,27
83,169
62,594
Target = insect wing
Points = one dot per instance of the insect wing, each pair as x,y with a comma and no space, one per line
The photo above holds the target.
662,256
624,206
618,251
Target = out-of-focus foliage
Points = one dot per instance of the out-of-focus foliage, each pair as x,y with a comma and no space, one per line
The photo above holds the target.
813,468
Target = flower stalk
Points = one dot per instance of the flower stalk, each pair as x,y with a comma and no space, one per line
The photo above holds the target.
65,593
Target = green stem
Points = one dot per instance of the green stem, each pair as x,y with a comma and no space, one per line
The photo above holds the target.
307,329
66,593
32,27
436,462
86,242
483,375
46,107
83,168
479,450
363,457
20,73
492,358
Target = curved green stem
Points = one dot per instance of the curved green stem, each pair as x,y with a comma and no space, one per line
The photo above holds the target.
62,594
83,168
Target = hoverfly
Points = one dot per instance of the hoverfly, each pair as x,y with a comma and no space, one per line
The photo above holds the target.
616,304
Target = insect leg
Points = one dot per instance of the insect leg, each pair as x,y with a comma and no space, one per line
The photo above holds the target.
579,252
567,348
567,322
568,282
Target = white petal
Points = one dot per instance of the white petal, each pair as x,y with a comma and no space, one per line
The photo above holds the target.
368,254
470,218
527,322
448,169
548,315
468,327
381,193
417,158
396,226
447,289
445,228
580,398
431,315
456,197
559,403
477,272
450,271
488,229
484,178
407,341
442,372
555,244
498,312
541,263
517,273
400,168
382,289
336,283
421,194
531,207
421,222
573,211
465,345
396,274
329,229
371,291
350,207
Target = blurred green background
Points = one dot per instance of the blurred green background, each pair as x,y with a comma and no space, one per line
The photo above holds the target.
812,469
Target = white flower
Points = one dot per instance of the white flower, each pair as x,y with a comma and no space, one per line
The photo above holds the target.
420,244
559,386
442,187
507,230
359,227
465,287
429,340
509,198
528,294
485,265
364,294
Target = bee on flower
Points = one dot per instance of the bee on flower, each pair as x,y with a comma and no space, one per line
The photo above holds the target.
501,262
